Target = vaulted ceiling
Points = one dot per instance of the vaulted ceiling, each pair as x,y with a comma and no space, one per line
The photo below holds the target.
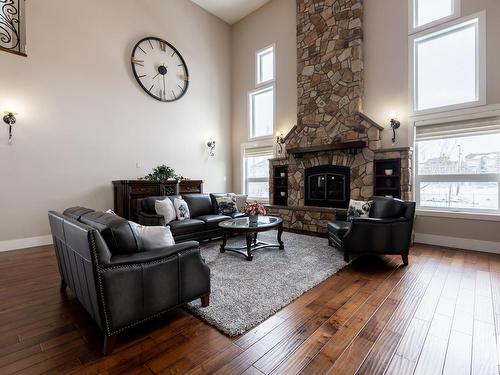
230,11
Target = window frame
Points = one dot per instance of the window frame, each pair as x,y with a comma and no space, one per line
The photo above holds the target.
251,93
412,14
258,65
480,64
473,114
245,180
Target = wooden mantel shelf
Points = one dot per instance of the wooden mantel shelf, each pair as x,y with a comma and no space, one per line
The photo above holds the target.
352,146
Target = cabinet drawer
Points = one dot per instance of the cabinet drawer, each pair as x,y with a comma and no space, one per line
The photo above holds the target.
144,190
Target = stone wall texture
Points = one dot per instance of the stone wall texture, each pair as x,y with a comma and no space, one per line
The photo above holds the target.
330,92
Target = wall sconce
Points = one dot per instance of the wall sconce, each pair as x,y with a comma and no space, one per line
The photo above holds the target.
10,119
211,147
395,124
280,141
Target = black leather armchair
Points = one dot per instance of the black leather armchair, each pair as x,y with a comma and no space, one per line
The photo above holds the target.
117,282
388,230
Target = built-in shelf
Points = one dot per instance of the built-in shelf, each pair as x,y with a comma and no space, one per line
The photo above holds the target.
280,185
352,146
388,184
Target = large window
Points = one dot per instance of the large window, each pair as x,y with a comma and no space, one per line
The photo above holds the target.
256,172
458,166
261,100
447,65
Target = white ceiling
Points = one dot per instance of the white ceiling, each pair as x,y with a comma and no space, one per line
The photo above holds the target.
230,11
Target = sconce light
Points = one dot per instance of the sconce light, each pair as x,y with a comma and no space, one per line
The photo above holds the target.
10,119
211,147
395,124
280,140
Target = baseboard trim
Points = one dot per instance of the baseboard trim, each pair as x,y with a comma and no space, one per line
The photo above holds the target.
458,243
24,243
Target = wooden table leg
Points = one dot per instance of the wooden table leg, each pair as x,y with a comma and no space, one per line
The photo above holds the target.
224,241
249,246
255,238
280,232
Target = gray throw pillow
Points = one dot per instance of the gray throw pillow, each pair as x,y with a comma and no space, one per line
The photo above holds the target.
152,238
227,205
358,209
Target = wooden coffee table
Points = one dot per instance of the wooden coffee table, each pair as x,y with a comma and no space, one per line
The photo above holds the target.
243,225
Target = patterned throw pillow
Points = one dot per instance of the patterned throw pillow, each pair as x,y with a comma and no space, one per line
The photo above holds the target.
166,209
359,209
241,200
181,209
227,205
152,238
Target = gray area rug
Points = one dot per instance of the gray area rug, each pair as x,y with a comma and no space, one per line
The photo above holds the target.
246,293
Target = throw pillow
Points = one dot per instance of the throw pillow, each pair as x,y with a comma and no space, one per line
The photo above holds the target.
241,200
152,238
181,209
166,209
359,209
227,205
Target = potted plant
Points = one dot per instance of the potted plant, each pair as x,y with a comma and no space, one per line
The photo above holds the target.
253,210
163,173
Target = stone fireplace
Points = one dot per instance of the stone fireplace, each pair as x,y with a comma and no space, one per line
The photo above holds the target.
332,134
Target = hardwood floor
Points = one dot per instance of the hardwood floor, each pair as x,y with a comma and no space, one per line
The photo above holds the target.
439,315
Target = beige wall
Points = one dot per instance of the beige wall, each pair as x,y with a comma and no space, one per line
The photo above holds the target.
386,89
84,121
273,23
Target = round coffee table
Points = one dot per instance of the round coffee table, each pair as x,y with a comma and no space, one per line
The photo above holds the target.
243,225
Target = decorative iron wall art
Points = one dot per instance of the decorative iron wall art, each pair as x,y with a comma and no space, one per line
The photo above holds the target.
12,27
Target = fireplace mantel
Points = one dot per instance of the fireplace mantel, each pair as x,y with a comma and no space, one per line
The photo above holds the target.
352,146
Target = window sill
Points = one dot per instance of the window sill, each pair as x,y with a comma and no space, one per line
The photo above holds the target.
459,215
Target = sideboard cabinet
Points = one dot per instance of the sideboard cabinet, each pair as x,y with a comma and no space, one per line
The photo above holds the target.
127,192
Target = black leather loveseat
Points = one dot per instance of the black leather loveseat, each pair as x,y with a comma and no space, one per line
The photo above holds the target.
387,230
204,221
120,285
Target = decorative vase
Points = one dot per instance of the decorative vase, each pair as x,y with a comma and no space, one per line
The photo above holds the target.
253,219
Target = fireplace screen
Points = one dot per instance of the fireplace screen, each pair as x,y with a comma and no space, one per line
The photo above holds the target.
327,186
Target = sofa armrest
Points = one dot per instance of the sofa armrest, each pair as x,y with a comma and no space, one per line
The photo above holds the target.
150,219
378,236
150,256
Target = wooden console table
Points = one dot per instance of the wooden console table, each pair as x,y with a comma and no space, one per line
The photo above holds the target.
127,192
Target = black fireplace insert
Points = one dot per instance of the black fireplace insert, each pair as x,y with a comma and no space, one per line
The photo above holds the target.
328,186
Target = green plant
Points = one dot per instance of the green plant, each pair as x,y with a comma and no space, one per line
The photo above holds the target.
161,173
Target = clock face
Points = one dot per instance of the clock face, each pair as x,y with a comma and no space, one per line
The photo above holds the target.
160,69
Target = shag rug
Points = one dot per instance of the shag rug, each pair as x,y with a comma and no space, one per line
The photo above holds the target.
246,293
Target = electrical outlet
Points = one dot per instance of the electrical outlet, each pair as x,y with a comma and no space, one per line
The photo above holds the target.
137,164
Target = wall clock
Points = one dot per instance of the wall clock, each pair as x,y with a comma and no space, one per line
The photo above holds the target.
160,69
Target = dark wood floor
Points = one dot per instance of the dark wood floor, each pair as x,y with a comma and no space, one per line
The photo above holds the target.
440,315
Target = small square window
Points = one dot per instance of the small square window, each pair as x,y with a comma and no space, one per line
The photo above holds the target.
427,13
262,112
265,65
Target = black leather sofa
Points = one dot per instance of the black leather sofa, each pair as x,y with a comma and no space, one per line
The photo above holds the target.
204,221
120,285
388,230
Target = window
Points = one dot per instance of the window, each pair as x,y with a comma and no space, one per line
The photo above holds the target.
458,166
265,65
448,66
261,100
262,112
256,172
427,13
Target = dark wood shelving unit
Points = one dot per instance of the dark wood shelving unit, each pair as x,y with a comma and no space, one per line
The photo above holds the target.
387,185
280,185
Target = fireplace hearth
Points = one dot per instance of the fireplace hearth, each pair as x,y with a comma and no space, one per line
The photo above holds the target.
327,186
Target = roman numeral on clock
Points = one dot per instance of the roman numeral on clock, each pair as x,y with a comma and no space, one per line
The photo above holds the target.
138,62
